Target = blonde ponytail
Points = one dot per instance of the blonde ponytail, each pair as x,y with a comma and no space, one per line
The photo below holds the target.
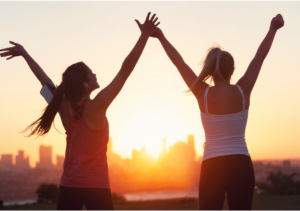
216,63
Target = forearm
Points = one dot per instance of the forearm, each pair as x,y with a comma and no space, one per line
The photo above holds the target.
266,44
108,94
185,71
250,77
37,70
172,53
133,57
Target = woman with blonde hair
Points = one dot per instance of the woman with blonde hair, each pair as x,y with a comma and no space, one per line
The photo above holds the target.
227,166
85,178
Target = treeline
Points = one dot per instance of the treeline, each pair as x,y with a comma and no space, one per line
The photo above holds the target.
280,184
48,193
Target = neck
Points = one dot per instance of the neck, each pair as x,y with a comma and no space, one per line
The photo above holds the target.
220,82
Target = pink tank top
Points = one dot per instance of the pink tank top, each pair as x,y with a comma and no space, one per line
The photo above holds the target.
85,164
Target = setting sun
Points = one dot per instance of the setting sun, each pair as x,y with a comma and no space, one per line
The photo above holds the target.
154,149
149,121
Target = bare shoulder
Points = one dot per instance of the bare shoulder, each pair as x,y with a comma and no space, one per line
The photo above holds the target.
63,106
94,109
246,93
95,119
244,88
200,90
199,94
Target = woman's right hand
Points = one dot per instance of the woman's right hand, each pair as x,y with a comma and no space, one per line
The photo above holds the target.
277,22
16,50
148,26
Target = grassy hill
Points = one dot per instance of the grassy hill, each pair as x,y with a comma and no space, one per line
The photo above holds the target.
259,203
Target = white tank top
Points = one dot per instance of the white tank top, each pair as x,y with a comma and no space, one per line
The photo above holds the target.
224,134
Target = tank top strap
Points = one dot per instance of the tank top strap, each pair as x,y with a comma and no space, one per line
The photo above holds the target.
205,99
76,113
84,106
242,93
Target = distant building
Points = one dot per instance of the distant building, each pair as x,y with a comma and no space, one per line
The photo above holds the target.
112,158
191,147
22,163
163,151
109,146
287,167
6,161
163,154
286,164
182,153
142,158
45,157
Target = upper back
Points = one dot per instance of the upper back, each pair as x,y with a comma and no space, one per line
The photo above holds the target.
85,164
78,122
224,99
93,120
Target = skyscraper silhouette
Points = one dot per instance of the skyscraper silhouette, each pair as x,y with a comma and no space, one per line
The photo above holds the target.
45,157
191,146
22,163
7,161
109,146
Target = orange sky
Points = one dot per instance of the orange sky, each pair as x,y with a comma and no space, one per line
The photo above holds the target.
152,104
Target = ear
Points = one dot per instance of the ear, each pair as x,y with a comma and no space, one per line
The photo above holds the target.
85,85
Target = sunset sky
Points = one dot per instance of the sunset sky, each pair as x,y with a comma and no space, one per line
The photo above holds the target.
152,104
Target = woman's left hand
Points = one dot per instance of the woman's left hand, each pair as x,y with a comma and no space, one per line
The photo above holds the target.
16,50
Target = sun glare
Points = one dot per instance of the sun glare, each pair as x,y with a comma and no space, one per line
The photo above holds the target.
151,127
154,149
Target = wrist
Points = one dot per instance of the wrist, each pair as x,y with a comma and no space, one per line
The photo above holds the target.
25,54
145,34
272,29
161,37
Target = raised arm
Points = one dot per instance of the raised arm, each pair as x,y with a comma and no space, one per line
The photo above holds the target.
108,94
247,82
185,71
18,50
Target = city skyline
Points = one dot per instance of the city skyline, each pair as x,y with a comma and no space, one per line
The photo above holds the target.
152,104
176,168
23,160
46,158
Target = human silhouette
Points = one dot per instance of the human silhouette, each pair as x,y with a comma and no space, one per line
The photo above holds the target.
85,178
227,166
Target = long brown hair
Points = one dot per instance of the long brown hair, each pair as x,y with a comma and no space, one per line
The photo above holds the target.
71,88
217,64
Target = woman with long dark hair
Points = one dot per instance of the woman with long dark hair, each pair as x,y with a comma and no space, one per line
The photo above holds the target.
85,177
227,166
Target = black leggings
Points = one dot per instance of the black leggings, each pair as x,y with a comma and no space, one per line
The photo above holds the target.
93,198
231,174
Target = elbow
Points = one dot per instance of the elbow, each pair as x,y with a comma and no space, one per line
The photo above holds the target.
260,56
126,64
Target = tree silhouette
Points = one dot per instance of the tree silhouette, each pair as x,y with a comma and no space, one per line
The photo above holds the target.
47,193
280,184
